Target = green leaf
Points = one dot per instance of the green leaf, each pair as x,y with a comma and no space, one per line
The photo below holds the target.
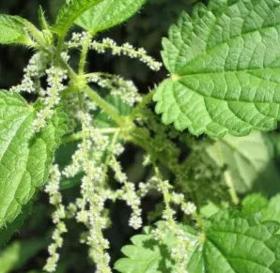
272,211
254,203
24,158
225,69
266,210
108,13
13,30
140,258
70,12
236,245
248,161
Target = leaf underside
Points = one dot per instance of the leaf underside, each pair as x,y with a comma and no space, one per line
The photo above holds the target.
248,161
225,69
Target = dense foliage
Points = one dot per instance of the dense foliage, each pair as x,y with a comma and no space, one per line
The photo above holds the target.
171,170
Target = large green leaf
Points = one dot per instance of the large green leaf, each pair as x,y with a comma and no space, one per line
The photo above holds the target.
248,161
24,158
108,13
225,69
69,13
13,30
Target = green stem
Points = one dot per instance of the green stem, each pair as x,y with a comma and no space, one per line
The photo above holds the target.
66,66
231,189
146,100
84,53
141,138
36,34
104,105
78,136
79,84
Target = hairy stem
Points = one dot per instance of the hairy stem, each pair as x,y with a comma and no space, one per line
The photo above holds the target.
104,105
84,53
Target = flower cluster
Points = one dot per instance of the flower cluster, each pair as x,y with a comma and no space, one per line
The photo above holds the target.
180,242
127,50
58,217
128,194
188,208
125,90
90,206
32,73
164,187
51,96
96,153
77,39
108,44
31,83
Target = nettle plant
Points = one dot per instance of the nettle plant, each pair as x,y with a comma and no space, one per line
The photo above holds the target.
222,90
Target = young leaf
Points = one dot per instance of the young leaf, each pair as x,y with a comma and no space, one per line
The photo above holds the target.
13,30
108,13
225,69
248,162
140,258
69,13
24,158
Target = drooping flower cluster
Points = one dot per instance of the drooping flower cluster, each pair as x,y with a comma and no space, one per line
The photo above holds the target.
96,154
58,218
90,206
37,68
32,73
51,96
108,44
183,243
128,193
